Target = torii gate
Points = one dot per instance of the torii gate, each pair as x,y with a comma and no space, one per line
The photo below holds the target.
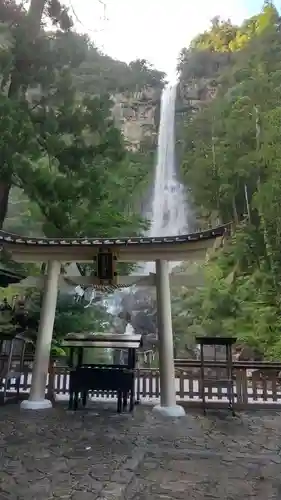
56,251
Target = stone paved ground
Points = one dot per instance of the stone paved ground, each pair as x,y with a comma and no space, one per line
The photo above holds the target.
97,454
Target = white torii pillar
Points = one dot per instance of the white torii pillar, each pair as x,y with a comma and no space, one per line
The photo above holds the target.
168,404
36,400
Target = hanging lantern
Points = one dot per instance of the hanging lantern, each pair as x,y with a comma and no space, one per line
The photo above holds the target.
105,267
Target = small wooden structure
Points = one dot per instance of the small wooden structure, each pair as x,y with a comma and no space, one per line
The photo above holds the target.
8,276
117,378
12,356
212,372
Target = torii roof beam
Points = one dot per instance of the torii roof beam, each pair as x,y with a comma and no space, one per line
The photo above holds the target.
174,248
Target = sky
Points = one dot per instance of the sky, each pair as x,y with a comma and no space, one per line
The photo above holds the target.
155,30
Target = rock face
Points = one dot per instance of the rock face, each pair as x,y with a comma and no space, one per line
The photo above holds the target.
136,113
194,94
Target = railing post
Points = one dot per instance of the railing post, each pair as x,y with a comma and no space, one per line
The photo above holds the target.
138,385
240,374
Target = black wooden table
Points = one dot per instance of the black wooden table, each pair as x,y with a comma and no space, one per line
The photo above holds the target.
88,377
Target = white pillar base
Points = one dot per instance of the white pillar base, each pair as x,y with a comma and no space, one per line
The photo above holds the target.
170,411
42,404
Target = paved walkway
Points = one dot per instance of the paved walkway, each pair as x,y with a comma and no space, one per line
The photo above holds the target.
97,454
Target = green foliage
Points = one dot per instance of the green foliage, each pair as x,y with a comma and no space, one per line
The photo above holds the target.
99,73
215,50
71,317
233,143
75,153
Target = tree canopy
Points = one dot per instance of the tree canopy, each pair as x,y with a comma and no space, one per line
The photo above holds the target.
217,48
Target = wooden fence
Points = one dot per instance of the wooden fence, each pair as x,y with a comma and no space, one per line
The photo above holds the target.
256,384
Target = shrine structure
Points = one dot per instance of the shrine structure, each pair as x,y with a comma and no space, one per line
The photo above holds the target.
106,252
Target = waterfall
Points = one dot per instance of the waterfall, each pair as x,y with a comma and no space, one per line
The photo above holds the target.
169,210
168,214
168,217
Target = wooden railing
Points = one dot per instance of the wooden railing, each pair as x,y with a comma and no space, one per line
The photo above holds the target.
256,384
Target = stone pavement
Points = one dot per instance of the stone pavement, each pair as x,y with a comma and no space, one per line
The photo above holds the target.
98,455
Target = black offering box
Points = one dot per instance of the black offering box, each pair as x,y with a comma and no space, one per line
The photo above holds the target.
113,378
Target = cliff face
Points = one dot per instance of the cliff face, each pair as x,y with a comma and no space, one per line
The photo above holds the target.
137,115
194,94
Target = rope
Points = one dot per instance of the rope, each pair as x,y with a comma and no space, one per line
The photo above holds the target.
109,288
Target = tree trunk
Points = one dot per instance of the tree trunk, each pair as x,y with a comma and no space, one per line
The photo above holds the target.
34,18
235,213
35,14
33,21
4,200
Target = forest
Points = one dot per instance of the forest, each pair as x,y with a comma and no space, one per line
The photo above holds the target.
231,163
